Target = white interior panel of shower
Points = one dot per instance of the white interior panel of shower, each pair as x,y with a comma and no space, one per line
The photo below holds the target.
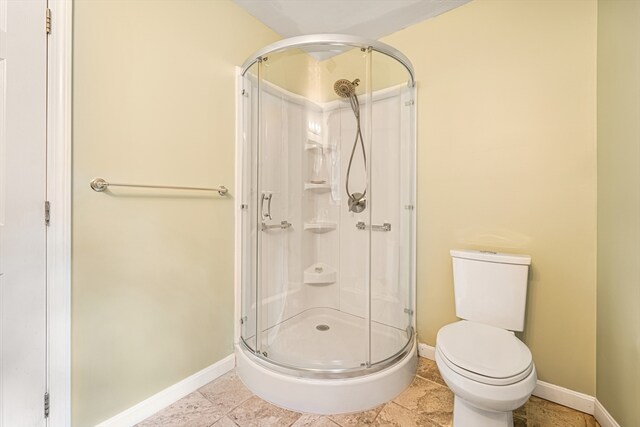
388,300
281,248
387,292
311,144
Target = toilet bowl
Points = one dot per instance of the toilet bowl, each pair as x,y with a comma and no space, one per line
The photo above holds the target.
488,369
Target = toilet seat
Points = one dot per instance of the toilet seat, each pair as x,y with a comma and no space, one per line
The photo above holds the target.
484,353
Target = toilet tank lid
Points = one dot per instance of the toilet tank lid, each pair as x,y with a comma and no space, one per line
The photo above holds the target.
490,256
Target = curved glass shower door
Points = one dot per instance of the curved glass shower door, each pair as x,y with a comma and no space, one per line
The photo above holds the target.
392,203
327,210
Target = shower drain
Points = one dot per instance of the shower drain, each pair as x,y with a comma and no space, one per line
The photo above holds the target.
322,328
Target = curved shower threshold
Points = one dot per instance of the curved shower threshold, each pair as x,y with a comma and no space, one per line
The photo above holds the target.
326,396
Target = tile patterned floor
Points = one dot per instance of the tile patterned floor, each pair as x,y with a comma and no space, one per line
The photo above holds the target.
226,402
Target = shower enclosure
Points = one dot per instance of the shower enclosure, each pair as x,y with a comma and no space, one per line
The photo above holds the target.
327,212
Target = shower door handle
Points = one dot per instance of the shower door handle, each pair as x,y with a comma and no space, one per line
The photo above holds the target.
267,215
266,196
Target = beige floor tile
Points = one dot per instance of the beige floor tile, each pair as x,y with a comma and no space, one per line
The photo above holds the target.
256,412
224,422
193,411
519,421
542,413
424,403
306,420
428,369
359,419
226,392
395,415
521,411
430,399
313,420
324,422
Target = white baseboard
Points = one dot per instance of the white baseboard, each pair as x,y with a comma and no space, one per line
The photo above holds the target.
603,417
169,395
560,395
426,351
565,397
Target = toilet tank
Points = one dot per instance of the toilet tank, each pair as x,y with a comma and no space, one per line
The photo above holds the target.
491,287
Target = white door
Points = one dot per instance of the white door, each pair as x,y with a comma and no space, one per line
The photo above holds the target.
23,80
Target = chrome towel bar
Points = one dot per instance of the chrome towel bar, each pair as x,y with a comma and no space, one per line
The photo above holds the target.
99,184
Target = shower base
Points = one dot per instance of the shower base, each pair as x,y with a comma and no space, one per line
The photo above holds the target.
326,339
310,368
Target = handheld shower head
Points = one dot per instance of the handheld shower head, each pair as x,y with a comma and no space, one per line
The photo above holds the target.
344,88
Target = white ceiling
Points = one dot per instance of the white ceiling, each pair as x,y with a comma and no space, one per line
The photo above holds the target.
367,18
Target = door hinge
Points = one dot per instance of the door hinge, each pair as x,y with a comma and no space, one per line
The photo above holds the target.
48,21
47,213
46,405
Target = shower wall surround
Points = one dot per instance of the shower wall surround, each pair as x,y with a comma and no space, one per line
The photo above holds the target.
301,199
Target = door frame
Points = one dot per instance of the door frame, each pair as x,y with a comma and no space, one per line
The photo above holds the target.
59,190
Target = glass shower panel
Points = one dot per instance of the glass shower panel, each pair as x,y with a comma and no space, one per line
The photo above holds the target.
307,133
249,206
392,209
349,304
276,286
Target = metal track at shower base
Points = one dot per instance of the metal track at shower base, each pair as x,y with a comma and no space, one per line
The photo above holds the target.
314,373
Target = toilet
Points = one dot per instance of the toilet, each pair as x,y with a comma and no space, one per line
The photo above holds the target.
488,369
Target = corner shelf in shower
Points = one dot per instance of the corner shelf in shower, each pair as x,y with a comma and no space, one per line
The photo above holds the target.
320,226
320,273
318,146
317,187
314,138
315,143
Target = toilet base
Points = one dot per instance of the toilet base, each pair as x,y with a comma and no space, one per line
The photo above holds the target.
467,415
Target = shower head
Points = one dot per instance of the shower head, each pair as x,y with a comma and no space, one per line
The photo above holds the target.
344,88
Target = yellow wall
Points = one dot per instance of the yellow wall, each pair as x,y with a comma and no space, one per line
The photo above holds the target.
152,271
618,350
507,161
